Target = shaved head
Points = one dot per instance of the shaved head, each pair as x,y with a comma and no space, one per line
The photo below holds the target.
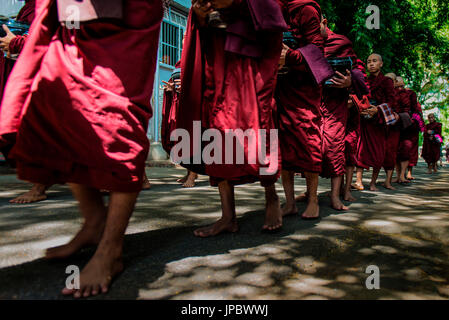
400,83
392,76
378,56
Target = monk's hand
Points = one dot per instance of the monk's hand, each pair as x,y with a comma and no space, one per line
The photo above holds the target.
221,4
202,9
170,87
6,40
342,81
371,112
283,57
350,103
396,116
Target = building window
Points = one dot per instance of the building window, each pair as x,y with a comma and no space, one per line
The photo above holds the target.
172,31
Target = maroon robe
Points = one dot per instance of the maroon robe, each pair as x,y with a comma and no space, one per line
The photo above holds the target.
79,99
334,109
408,103
169,115
393,136
26,15
431,147
373,134
414,138
228,81
360,88
298,95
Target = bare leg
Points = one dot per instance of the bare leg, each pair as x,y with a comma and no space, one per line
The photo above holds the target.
372,185
184,179
313,209
335,194
228,221
387,183
435,167
107,262
36,194
347,195
146,182
359,180
94,212
273,215
190,182
404,166
409,174
289,189
429,168
398,174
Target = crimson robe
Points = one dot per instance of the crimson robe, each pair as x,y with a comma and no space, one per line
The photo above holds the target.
169,115
393,133
414,138
228,80
360,88
298,95
334,109
431,147
79,99
373,135
408,103
26,15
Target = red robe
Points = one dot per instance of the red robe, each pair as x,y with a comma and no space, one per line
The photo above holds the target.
431,147
79,99
169,115
298,95
408,103
393,137
353,123
334,109
226,90
373,136
414,138
26,15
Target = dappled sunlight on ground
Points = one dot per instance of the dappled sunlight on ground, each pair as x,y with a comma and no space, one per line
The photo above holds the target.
404,232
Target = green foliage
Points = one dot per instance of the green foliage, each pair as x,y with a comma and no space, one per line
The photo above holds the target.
413,40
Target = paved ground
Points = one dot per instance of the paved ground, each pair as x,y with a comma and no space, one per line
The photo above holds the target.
405,233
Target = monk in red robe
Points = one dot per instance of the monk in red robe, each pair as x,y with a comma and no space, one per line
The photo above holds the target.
392,142
417,127
359,90
228,82
79,101
12,46
299,100
334,109
170,104
432,144
408,105
373,139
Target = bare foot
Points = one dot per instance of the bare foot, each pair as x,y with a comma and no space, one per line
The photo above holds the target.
97,276
36,194
389,186
273,216
217,228
183,180
337,204
358,187
373,187
395,180
303,197
190,182
348,197
87,236
146,184
312,210
429,171
290,210
410,178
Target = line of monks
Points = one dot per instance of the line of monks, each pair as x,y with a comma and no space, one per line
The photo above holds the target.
76,108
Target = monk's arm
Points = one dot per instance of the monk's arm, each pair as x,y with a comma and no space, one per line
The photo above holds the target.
307,19
16,45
